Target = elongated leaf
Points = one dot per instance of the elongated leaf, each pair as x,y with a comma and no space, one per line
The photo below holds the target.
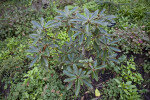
101,22
46,61
76,20
80,70
82,17
115,49
33,36
95,76
76,34
95,63
69,74
66,10
36,24
69,56
102,30
32,49
73,10
53,45
77,88
100,67
61,12
72,58
83,73
87,12
102,12
54,25
42,21
70,79
89,72
109,17
75,69
84,76
81,39
34,61
49,22
113,42
94,15
69,69
69,85
87,84
114,60
88,40
47,51
105,39
113,55
87,28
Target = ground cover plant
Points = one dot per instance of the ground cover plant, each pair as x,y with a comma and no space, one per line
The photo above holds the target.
74,50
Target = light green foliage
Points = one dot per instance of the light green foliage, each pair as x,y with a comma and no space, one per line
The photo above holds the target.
84,32
116,89
39,84
135,10
92,6
13,62
62,36
128,72
12,47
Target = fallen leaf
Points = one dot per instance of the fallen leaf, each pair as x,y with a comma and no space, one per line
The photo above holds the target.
97,93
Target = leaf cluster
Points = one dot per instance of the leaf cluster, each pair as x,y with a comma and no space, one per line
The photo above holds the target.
86,33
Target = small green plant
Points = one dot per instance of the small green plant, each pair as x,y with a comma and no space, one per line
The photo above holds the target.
129,73
78,77
86,34
12,70
39,84
117,89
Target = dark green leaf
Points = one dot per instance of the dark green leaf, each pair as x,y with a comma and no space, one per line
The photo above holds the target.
61,12
37,24
77,88
87,12
69,85
70,79
94,15
87,84
102,12
95,76
42,21
115,49
114,60
88,40
46,61
68,73
76,20
100,67
81,39
34,60
76,34
82,17
49,22
54,25
75,69
73,10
